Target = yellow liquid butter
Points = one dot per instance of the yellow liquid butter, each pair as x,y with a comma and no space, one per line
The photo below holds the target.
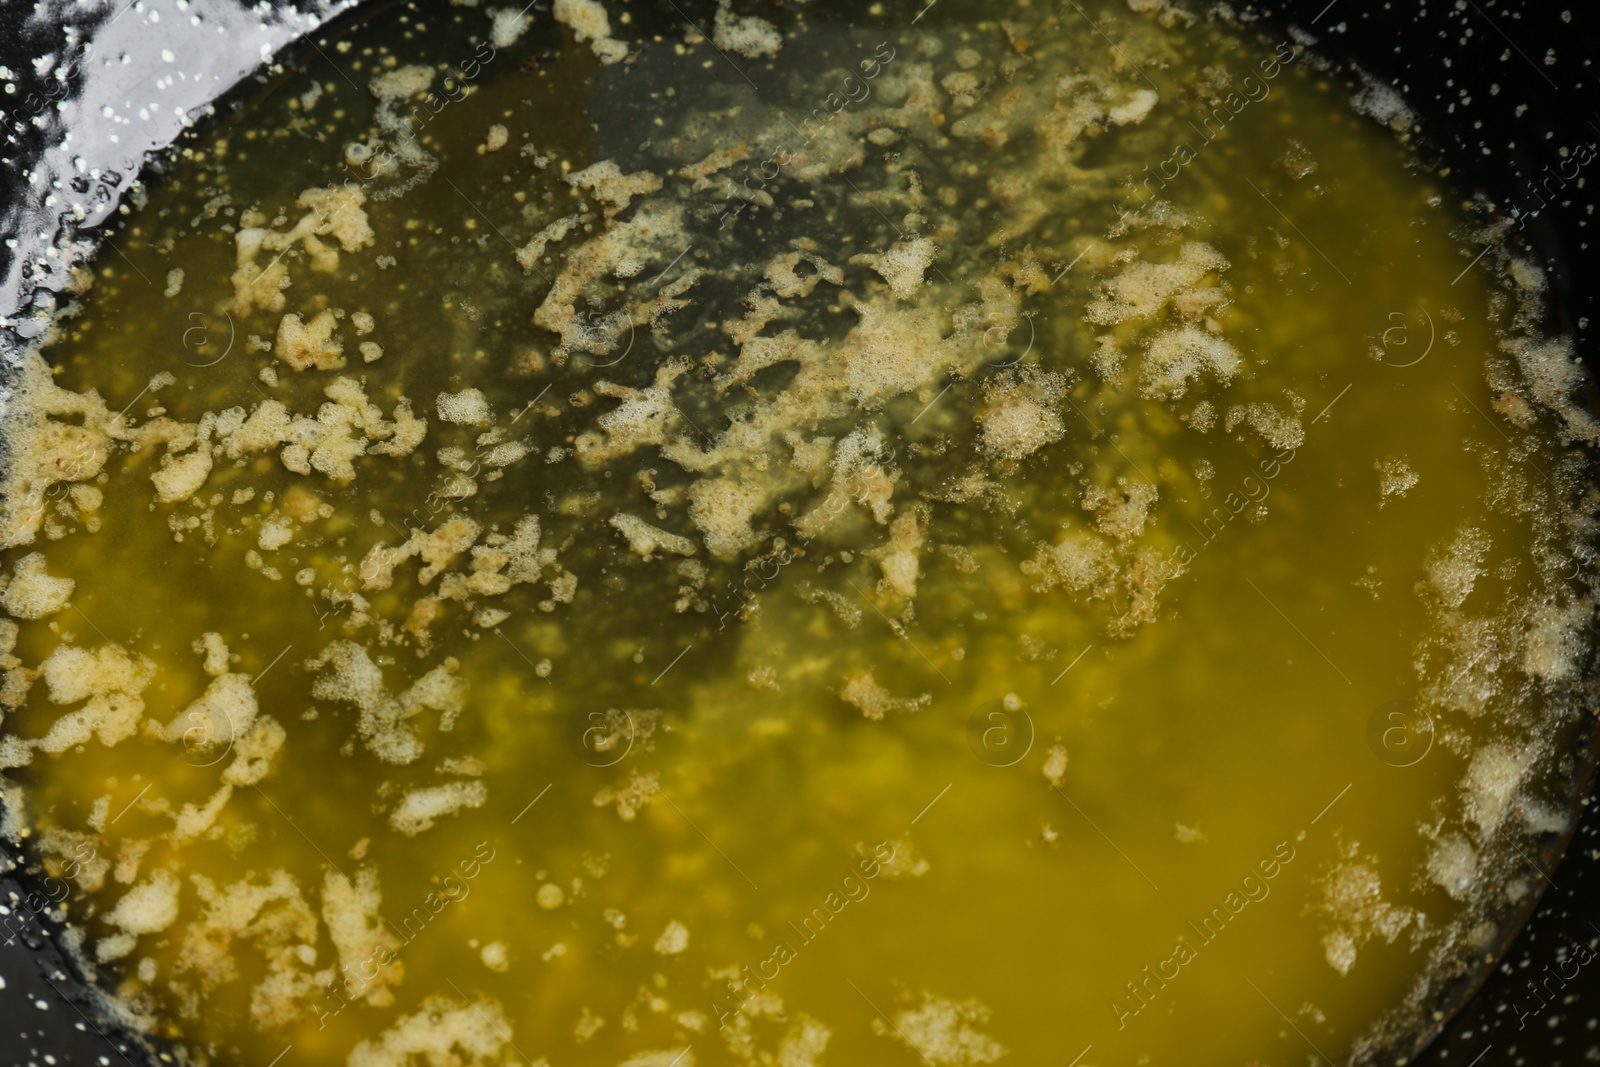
1002,533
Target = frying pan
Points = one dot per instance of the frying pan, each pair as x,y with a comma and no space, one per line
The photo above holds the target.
1506,98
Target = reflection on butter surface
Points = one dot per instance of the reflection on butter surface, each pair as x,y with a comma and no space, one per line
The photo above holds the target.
580,538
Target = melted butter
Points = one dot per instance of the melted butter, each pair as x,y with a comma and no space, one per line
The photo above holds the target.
1006,628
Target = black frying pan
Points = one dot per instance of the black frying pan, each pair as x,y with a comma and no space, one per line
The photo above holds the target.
1508,102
